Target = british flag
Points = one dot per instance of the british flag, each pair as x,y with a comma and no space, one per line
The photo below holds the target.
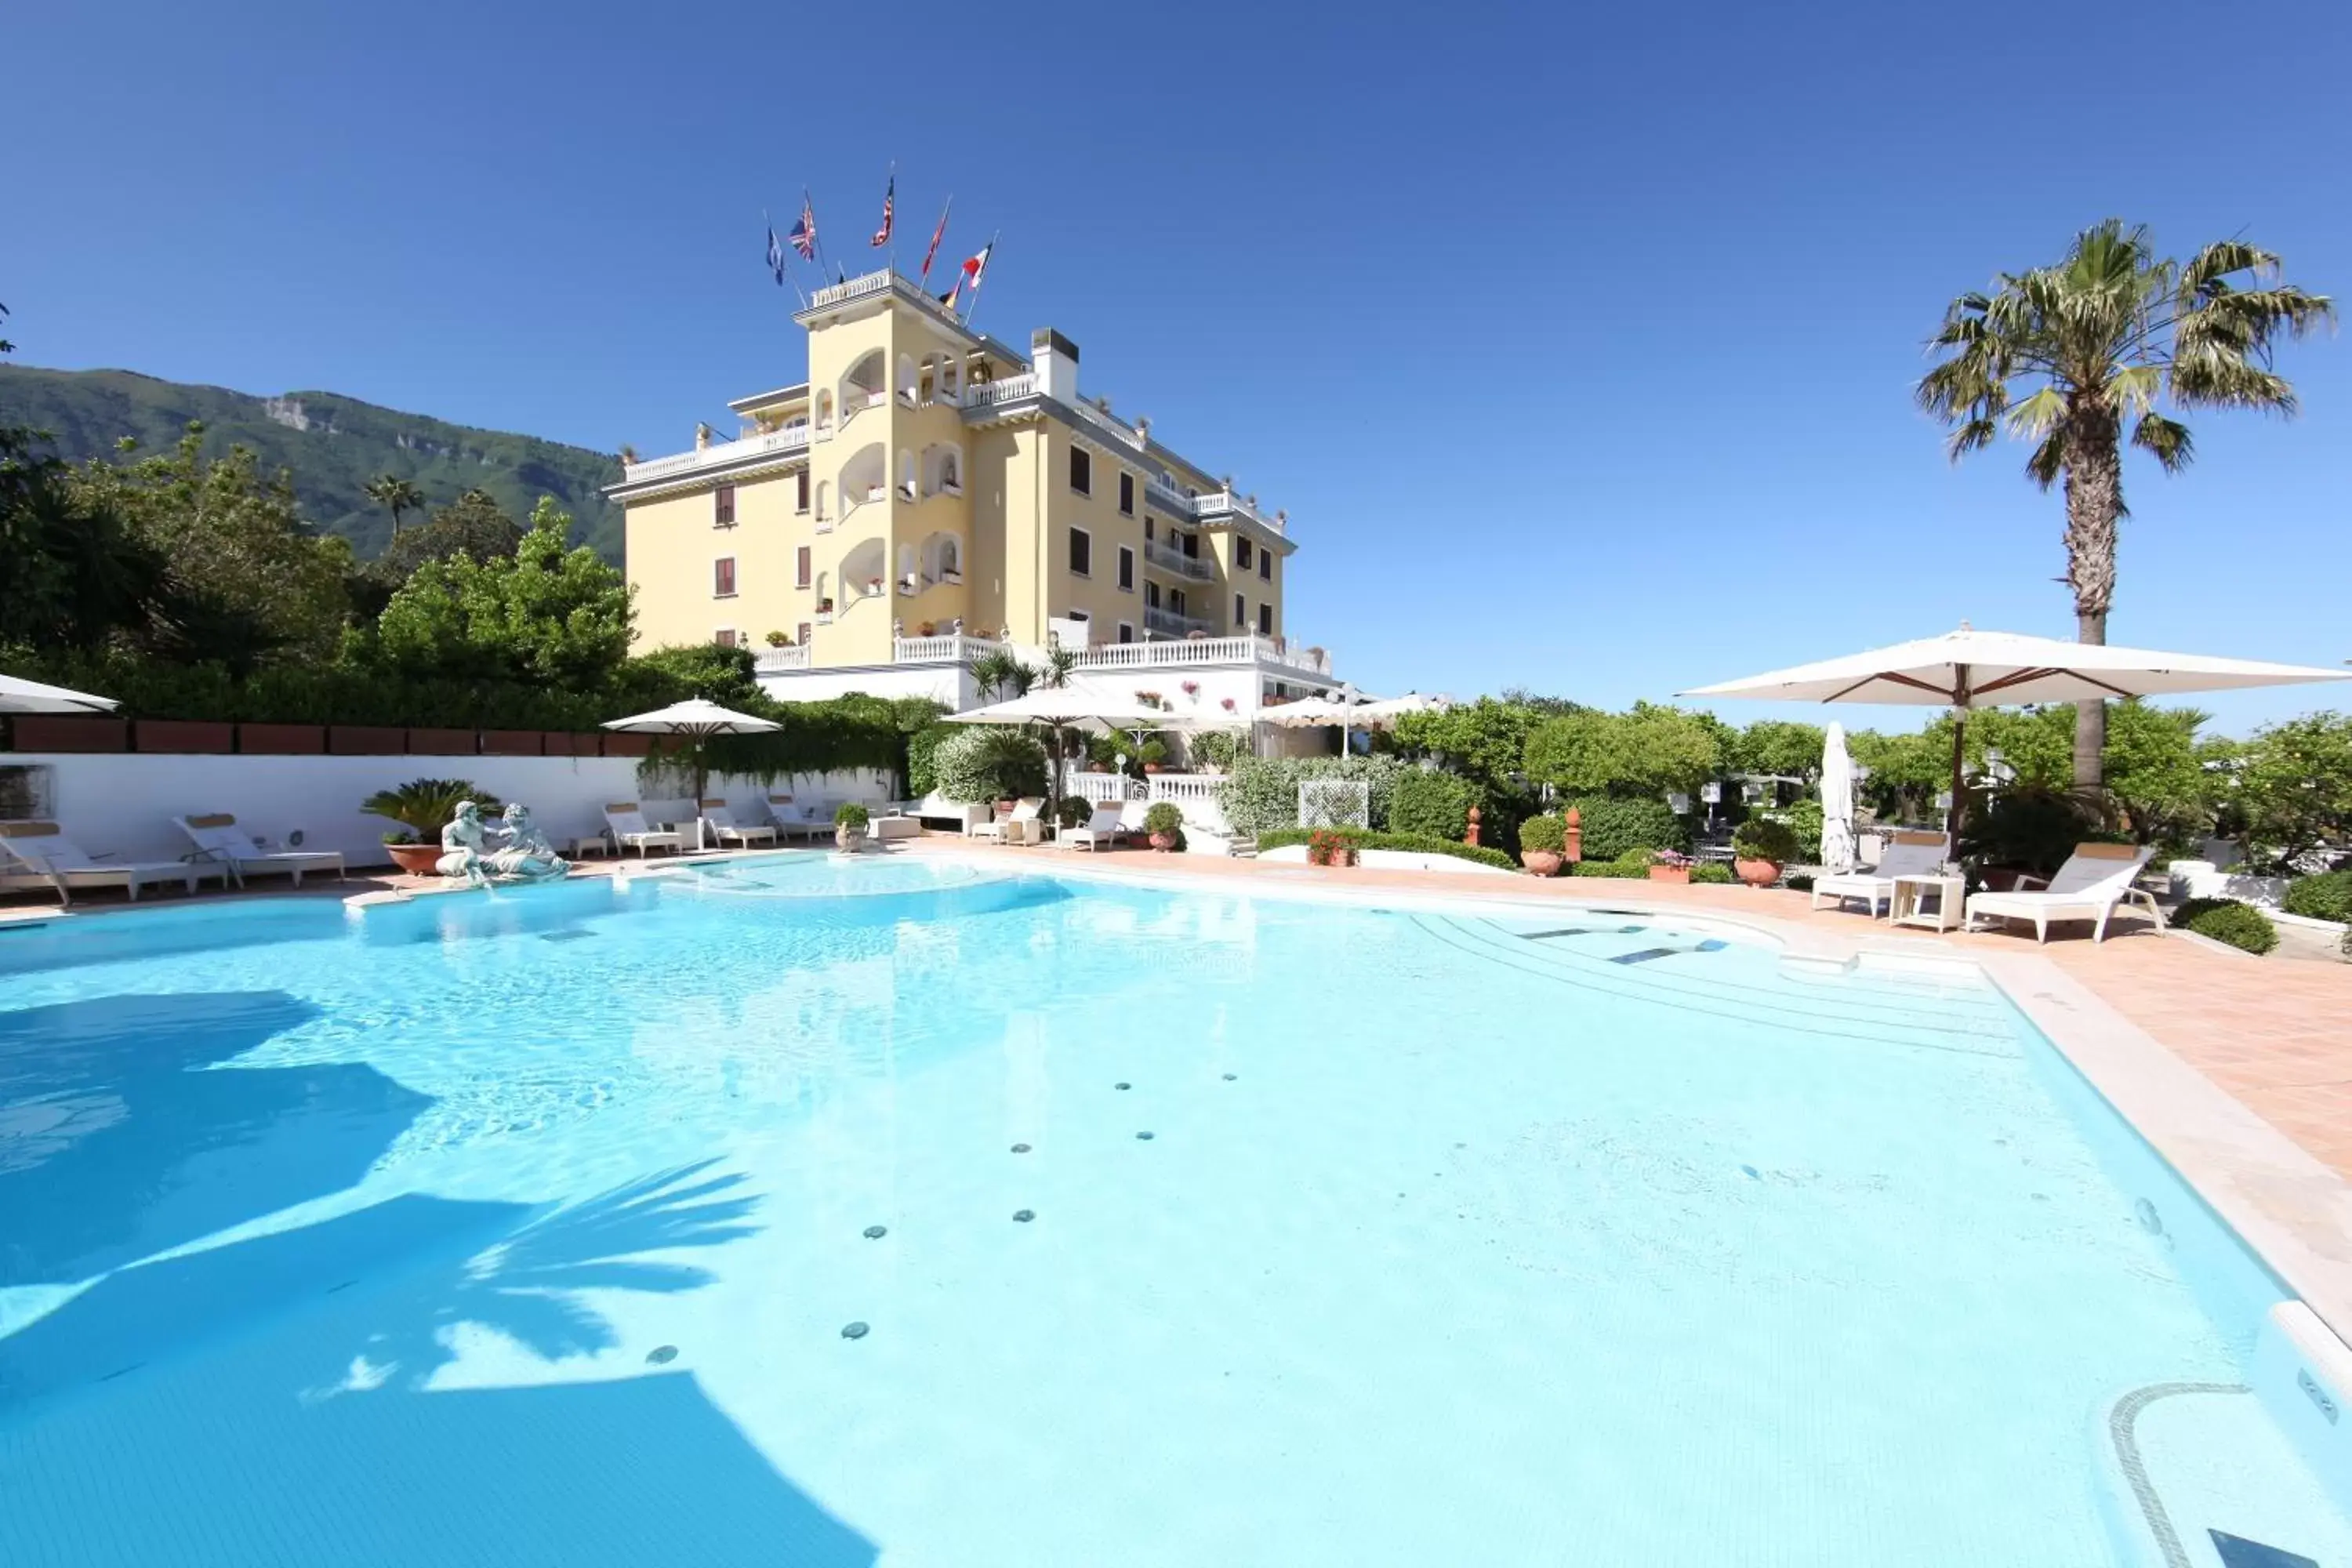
889,200
803,235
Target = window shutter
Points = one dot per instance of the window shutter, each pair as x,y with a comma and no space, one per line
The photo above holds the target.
723,505
803,564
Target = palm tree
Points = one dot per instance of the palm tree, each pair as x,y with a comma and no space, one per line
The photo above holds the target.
400,495
1000,671
2066,355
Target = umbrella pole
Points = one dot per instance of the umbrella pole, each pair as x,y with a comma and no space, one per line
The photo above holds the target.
1959,776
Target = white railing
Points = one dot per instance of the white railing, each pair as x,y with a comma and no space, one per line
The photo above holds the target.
855,289
792,440
782,658
1224,502
953,648
1007,389
1174,560
1166,496
1285,653
1195,794
1169,623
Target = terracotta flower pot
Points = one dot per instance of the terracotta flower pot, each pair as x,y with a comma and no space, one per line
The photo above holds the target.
1163,842
1542,862
415,860
1757,873
1670,874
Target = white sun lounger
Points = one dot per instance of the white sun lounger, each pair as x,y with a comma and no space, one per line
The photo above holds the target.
1907,855
724,826
217,837
39,849
630,830
810,819
1100,832
2093,880
1013,829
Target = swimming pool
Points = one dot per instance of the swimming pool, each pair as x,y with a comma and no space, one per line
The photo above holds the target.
790,1210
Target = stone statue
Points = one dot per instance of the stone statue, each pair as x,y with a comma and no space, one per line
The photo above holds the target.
521,854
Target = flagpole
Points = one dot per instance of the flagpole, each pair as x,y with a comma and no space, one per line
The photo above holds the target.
816,236
973,309
924,281
787,266
890,255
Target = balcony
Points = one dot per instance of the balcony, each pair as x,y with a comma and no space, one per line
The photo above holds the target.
954,648
1222,504
777,659
1200,568
855,289
1169,623
1164,497
1005,389
779,443
1280,653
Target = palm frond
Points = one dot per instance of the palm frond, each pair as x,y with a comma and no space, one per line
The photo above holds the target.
2165,439
2049,461
2038,415
2135,387
1970,435
2212,377
2208,272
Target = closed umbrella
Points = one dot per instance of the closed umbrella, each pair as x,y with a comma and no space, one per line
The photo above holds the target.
1967,668
1837,801
697,719
21,696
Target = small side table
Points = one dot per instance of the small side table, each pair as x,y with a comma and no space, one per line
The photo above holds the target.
1909,905
589,843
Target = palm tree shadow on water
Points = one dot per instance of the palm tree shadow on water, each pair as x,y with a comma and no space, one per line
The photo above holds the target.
270,1399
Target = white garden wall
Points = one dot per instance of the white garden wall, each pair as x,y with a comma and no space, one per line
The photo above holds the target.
124,802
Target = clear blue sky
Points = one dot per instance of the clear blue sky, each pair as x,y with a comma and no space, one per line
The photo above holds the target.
1577,342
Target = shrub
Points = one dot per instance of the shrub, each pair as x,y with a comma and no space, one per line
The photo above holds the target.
1636,864
2325,897
1410,843
986,764
1543,833
2030,830
1762,838
1431,803
1615,826
1072,812
922,777
1798,883
1261,795
426,806
1712,871
1804,820
849,814
2227,920
1213,749
1164,816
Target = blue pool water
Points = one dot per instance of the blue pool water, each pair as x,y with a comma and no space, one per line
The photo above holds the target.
527,1229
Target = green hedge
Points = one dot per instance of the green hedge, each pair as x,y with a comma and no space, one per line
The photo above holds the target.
1615,826
2228,921
2325,897
987,763
1261,795
1636,864
1431,805
1711,871
1413,843
922,777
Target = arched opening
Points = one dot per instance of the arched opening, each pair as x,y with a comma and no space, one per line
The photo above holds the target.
864,477
823,507
942,470
824,411
952,378
906,475
861,386
824,597
942,558
909,384
911,578
862,570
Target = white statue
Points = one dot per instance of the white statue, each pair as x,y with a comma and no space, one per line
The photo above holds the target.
521,853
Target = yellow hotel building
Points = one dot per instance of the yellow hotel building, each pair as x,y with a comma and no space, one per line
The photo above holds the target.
929,492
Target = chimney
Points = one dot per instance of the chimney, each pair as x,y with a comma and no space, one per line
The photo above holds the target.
1055,359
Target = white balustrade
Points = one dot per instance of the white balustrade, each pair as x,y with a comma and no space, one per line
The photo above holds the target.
1160,553
782,658
953,648
1285,653
1226,503
794,438
1167,497
1005,389
855,289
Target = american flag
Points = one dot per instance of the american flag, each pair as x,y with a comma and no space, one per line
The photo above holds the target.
889,200
803,235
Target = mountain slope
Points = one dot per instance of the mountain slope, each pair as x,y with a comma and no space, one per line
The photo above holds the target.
333,445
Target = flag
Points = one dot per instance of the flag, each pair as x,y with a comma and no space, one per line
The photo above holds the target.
889,201
974,269
937,234
803,235
776,255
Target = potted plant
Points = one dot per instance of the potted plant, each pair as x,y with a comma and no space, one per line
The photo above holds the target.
1541,839
1760,847
1330,847
422,807
1669,866
779,640
1165,823
849,823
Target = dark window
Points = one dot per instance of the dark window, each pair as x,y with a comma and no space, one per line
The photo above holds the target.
802,567
1146,530
722,576
1265,564
1176,600
725,638
1126,632
723,506
1266,620
800,492
1082,471
1126,494
1126,570
802,638
1240,611
1152,595
1082,552
1192,542
1241,552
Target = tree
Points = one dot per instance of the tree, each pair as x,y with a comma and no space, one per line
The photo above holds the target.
397,495
2066,355
2294,789
1485,740
1779,748
545,614
1649,750
1000,671
474,525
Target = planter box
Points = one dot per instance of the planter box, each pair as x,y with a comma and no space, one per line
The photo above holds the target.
441,743
55,733
620,745
366,741
513,744
565,743
282,740
1670,874
184,735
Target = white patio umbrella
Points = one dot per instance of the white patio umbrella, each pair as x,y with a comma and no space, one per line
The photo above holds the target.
697,719
20,695
1077,708
1352,711
1837,801
1967,668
